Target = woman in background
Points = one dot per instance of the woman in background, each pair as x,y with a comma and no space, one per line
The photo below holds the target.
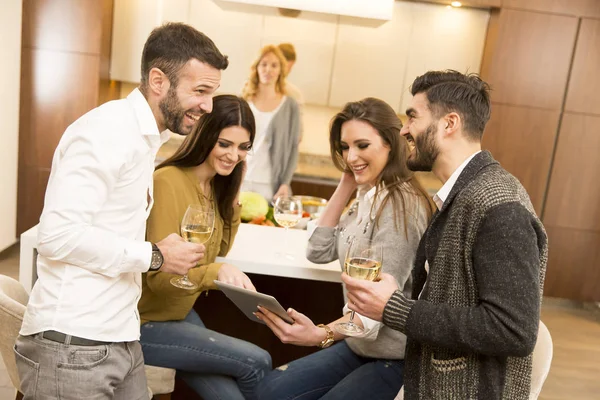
275,151
392,210
208,170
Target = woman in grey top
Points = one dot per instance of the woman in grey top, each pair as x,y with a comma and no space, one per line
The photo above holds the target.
393,210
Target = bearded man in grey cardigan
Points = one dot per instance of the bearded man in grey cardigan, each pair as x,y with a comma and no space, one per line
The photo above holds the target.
472,320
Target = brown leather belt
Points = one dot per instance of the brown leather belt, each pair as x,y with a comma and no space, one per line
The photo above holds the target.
77,341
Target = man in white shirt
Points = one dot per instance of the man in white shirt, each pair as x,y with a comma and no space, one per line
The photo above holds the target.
81,329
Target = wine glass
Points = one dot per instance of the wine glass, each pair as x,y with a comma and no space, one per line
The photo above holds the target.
363,261
287,212
196,227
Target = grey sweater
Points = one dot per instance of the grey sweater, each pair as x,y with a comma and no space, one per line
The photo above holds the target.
328,244
472,331
284,131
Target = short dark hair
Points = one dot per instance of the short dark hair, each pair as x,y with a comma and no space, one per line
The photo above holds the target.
451,91
170,46
288,50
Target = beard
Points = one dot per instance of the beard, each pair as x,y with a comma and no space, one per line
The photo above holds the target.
173,113
425,151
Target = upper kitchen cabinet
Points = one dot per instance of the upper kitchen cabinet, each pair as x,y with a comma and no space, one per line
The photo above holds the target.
236,30
133,20
382,60
313,36
370,58
443,38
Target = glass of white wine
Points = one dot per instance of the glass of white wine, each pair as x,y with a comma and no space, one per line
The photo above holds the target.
363,261
287,212
196,227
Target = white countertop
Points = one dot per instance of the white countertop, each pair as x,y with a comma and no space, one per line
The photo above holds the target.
254,251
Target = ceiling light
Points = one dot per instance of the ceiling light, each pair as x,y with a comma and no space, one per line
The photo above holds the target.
456,4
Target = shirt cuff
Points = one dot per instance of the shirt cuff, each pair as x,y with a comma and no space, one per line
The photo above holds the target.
396,311
137,257
370,326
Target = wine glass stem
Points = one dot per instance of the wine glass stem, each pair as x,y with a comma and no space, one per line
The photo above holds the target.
285,240
185,278
351,317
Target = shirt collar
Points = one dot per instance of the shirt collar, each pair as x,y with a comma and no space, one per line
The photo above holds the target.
143,114
440,197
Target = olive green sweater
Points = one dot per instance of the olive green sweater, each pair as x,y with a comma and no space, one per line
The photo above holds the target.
174,190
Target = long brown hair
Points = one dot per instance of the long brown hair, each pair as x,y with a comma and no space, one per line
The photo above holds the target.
251,86
228,110
395,176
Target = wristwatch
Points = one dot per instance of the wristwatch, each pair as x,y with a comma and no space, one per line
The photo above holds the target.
329,339
157,258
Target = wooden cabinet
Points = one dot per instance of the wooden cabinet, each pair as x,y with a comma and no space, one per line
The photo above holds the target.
527,58
522,140
583,95
133,20
62,56
574,190
584,8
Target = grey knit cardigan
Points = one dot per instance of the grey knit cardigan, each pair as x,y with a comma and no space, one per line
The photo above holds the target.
473,329
284,131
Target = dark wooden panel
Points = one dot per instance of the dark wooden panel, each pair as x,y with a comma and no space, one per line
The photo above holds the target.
583,8
64,25
57,88
522,140
530,58
107,90
584,85
30,196
574,264
574,192
313,187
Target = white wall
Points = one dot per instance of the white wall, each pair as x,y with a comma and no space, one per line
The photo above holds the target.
10,71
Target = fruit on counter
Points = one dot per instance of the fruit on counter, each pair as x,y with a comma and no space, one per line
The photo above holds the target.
262,221
253,205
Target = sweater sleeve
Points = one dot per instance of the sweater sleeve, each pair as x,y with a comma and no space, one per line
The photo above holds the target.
294,141
505,321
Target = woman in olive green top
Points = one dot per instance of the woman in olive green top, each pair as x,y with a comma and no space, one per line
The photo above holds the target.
207,169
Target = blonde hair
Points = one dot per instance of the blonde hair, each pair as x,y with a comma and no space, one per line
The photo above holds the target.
251,86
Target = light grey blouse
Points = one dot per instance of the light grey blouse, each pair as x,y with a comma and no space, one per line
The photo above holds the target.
399,250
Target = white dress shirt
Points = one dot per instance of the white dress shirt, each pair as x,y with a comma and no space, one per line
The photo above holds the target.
92,229
440,197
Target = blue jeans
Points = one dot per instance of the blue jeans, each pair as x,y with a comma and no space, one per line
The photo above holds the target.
214,365
333,373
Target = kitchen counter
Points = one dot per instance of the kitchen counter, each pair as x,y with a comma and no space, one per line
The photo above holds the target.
254,251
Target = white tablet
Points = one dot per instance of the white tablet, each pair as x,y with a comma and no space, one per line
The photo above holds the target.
248,301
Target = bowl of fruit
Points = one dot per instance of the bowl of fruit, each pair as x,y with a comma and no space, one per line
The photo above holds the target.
312,206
